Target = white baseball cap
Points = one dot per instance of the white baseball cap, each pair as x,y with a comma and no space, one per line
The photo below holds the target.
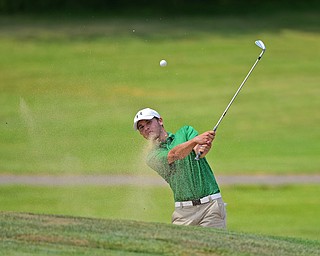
144,114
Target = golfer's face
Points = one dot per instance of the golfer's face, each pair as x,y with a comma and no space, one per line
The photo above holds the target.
150,129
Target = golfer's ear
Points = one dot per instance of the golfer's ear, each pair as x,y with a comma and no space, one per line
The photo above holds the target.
160,121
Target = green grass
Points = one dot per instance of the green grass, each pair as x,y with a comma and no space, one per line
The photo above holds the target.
287,211
71,86
29,234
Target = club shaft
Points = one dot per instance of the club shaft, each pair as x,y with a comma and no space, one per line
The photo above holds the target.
233,98
235,95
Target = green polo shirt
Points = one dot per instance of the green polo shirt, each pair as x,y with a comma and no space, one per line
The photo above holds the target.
189,179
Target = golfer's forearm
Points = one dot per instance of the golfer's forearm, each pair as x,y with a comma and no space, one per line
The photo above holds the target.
181,151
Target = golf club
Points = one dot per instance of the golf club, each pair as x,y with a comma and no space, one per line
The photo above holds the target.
261,45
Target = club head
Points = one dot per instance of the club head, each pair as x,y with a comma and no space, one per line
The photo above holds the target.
260,44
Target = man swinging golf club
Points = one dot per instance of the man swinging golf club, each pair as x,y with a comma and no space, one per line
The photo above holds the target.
180,159
196,193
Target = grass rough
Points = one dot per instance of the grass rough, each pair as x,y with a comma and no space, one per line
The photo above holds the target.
26,233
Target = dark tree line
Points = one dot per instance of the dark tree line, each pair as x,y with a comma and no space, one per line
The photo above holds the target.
153,6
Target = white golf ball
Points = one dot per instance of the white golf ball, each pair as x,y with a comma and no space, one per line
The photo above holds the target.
163,63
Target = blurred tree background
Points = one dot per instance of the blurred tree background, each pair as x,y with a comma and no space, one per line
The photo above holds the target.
163,7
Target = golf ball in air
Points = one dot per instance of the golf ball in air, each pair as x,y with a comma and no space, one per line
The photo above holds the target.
163,63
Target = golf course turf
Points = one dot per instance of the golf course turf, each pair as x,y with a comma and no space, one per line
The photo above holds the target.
23,233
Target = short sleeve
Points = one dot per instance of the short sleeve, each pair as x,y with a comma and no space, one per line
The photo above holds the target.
186,133
158,160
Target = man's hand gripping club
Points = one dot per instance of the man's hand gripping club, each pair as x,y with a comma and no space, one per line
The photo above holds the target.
201,143
204,143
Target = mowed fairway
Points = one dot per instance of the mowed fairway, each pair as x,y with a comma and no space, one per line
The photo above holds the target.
70,89
287,211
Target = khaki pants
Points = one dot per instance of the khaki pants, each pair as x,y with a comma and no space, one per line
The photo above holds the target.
211,214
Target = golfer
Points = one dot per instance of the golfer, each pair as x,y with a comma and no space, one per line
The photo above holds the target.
196,193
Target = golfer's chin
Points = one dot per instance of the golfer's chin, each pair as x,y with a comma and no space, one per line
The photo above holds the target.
152,136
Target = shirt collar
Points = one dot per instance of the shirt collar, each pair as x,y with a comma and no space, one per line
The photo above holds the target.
168,140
